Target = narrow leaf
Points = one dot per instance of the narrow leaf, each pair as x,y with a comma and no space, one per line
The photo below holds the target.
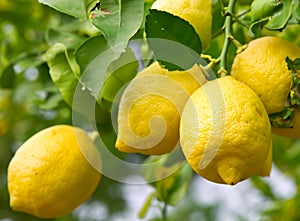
262,9
94,56
180,187
271,14
173,188
78,8
146,206
105,71
217,16
121,21
118,74
70,40
7,77
61,72
174,41
282,16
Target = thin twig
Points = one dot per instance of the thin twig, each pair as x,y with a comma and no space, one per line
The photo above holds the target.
164,211
228,37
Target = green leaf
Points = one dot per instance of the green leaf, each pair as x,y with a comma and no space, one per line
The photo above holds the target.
281,17
7,77
104,70
122,21
78,8
52,102
89,50
264,187
173,188
146,206
174,41
70,40
262,9
169,174
296,12
93,57
217,17
283,119
25,61
119,72
62,73
272,14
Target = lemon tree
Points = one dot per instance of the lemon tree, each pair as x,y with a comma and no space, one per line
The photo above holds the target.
211,88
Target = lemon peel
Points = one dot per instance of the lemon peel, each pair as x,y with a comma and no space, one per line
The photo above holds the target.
150,107
245,144
262,66
49,175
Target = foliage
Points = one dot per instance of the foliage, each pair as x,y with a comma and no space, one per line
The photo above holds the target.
82,48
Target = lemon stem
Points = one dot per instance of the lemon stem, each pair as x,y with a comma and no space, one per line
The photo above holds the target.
228,38
164,211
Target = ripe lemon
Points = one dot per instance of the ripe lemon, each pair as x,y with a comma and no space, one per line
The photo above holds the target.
196,12
262,66
225,132
150,107
49,176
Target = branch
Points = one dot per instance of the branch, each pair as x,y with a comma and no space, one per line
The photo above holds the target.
228,37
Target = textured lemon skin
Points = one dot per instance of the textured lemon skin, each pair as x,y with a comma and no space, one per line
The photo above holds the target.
245,135
150,105
49,176
263,68
290,132
267,167
196,12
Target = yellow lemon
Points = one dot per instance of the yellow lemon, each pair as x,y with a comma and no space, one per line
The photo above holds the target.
225,132
150,107
262,67
196,12
267,167
53,172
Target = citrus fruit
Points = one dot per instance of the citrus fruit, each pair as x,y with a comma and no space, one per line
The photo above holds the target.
266,169
196,12
49,176
150,107
225,132
263,67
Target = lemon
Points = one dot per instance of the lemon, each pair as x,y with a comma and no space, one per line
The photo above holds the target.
150,107
267,167
225,132
262,67
49,176
196,12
